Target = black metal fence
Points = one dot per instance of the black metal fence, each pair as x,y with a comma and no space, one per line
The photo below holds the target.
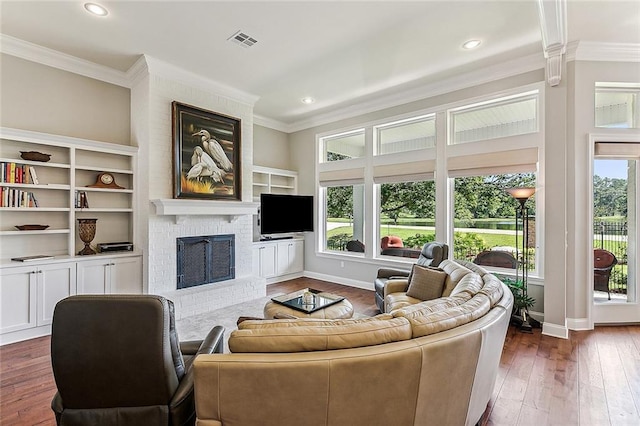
612,236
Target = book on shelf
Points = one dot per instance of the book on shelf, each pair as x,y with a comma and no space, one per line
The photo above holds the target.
31,258
82,201
34,176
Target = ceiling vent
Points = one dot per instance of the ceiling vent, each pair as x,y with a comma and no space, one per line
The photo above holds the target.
243,39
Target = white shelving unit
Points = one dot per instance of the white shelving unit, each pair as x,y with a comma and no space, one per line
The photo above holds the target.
273,181
75,164
30,290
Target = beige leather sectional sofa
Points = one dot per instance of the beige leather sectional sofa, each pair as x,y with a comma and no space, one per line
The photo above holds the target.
422,363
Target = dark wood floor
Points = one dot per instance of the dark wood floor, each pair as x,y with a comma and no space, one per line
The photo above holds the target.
593,378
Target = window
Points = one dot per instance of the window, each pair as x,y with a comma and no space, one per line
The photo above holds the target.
407,217
485,220
343,146
512,116
344,214
406,135
617,108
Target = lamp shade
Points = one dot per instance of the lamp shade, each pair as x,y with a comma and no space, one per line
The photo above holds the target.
521,193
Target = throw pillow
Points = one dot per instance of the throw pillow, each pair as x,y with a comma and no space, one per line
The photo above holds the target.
426,283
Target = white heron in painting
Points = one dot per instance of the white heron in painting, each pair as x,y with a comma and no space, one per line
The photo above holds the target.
214,149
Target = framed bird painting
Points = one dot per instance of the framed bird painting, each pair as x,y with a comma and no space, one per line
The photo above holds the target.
206,154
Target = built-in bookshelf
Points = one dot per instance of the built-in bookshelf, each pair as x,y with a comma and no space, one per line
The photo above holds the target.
273,181
49,196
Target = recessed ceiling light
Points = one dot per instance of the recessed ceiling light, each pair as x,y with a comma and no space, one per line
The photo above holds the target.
471,44
96,9
308,100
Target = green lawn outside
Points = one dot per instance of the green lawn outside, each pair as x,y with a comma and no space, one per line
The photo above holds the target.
491,240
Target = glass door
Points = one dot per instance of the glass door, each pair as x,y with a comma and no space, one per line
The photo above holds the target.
615,233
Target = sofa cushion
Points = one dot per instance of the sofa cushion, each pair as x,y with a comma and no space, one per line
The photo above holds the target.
493,288
447,319
320,337
471,284
455,272
429,306
307,322
426,283
400,300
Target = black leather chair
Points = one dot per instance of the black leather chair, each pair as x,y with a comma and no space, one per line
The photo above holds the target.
117,361
431,255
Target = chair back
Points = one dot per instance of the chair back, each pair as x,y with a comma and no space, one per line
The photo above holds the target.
603,259
115,351
499,259
433,253
355,246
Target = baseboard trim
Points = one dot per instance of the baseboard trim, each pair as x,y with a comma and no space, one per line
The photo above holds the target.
555,330
340,280
579,324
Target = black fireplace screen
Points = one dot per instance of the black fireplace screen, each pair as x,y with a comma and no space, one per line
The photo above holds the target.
205,260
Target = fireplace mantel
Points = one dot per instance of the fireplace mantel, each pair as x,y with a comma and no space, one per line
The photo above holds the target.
180,208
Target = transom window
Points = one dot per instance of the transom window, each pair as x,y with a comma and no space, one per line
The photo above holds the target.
617,107
406,135
344,146
499,118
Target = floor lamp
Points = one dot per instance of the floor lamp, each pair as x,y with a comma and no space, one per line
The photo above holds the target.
522,194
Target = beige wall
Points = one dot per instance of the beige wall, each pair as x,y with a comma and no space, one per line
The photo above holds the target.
44,99
271,148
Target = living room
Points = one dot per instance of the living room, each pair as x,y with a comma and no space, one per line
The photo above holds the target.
64,93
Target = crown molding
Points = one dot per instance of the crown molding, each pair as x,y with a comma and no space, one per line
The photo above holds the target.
171,72
607,52
462,81
145,64
42,55
271,123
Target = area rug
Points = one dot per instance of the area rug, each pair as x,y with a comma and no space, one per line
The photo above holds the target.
196,327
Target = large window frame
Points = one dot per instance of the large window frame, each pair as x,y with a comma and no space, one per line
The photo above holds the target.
441,163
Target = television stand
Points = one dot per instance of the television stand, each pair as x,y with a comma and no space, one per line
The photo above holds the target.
275,238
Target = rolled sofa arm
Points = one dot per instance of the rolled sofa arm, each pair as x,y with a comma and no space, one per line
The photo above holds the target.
399,285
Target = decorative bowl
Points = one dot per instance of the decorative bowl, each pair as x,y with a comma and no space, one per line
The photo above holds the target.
35,156
32,227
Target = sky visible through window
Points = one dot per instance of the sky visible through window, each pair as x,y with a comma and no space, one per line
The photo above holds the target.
610,168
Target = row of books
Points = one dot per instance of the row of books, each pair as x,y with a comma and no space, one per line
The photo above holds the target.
18,173
13,197
81,201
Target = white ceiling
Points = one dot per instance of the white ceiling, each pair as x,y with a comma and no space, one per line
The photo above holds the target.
339,52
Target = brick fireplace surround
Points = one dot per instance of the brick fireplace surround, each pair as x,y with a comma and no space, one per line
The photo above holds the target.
163,220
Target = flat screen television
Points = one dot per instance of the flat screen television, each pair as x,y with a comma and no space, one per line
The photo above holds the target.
281,214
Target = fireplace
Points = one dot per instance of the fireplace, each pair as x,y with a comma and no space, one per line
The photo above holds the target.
205,260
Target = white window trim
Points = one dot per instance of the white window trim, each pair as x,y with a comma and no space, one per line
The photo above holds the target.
444,184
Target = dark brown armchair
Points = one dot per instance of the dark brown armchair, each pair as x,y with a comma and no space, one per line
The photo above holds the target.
603,263
496,258
431,255
117,360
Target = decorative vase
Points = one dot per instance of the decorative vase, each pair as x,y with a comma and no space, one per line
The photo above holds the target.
87,231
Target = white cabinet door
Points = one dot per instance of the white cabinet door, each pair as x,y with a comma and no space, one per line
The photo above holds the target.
55,282
18,298
267,256
93,276
126,275
290,257
110,275
296,256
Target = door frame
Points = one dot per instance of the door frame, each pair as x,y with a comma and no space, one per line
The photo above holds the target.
610,312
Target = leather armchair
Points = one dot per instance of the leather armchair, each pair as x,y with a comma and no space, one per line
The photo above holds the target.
117,360
431,255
